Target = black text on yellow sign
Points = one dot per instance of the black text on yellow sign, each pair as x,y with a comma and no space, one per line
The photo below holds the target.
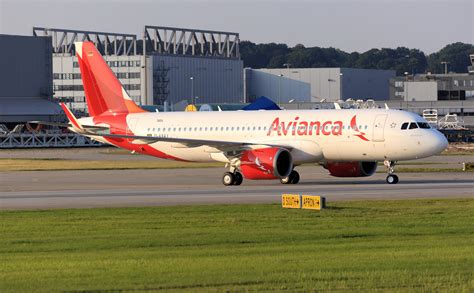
291,201
312,202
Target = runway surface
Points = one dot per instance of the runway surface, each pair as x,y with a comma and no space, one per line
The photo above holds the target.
120,188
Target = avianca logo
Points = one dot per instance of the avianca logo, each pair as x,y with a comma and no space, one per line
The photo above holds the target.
354,127
261,167
300,128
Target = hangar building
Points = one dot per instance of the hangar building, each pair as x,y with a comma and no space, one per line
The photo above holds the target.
315,84
168,65
26,81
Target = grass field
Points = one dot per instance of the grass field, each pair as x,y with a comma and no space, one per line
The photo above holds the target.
62,164
66,164
411,245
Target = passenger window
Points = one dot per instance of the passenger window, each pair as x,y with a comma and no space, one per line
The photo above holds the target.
423,125
413,125
404,125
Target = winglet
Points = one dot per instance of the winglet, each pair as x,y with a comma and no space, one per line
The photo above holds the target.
337,106
386,106
75,123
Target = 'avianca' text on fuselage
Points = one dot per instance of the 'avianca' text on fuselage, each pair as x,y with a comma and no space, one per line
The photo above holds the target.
301,128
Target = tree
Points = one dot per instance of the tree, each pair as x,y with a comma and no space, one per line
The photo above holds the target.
457,54
401,59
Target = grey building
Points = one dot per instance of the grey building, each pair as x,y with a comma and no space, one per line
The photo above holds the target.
434,87
168,65
315,84
25,81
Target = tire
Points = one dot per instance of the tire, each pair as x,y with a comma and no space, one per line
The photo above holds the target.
238,178
295,177
392,179
285,180
228,179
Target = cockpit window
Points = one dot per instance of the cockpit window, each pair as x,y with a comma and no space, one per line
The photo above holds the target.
413,125
404,125
423,125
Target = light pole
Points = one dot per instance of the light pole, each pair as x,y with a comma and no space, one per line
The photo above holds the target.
279,88
192,89
289,80
445,66
341,85
406,89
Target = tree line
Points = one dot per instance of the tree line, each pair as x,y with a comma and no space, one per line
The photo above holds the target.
401,59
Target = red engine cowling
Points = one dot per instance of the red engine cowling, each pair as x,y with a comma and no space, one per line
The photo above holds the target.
351,169
266,163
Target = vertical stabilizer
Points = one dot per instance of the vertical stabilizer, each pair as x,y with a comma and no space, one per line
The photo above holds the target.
103,91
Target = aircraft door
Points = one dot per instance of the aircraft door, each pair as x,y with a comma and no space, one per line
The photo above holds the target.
379,125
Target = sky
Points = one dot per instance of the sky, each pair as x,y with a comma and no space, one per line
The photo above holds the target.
349,25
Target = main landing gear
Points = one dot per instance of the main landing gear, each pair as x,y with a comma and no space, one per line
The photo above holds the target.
391,178
234,178
293,178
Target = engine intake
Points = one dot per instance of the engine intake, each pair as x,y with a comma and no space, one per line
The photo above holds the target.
266,163
351,169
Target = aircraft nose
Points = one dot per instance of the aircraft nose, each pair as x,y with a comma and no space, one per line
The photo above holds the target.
439,142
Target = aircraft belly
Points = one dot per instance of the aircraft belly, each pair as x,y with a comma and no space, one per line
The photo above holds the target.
193,154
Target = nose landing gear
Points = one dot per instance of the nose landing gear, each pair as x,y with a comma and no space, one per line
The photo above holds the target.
391,177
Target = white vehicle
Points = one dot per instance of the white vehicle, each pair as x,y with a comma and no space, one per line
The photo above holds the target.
252,144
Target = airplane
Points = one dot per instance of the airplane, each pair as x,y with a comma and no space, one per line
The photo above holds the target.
256,145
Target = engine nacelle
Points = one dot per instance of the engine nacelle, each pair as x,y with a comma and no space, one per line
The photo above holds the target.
266,163
351,169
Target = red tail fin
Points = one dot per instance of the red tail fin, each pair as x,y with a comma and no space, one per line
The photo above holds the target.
103,91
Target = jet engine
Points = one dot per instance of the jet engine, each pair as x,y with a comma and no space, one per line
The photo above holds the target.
351,169
266,163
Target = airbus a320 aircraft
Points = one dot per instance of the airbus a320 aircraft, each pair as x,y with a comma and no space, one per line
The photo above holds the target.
252,144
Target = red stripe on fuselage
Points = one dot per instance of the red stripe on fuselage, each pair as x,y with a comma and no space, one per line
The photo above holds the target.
118,125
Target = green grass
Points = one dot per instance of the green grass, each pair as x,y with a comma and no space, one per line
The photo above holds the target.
427,170
62,164
411,245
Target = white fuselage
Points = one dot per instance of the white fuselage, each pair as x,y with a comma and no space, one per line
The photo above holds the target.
310,135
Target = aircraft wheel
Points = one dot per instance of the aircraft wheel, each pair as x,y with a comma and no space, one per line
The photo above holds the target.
295,177
238,178
392,179
228,179
285,180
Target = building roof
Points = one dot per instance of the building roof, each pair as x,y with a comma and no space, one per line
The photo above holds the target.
30,107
